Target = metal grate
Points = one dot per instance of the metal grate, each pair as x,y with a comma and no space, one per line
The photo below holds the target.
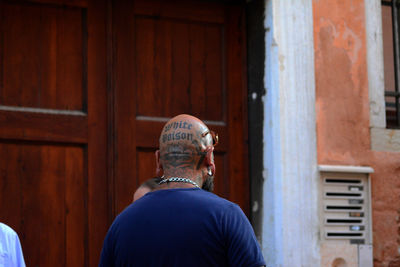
344,209
392,95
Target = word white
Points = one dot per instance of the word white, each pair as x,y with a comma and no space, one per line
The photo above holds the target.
176,125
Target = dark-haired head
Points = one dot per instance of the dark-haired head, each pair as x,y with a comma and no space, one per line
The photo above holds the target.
147,186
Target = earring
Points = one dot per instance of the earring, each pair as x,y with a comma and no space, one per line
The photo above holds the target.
209,172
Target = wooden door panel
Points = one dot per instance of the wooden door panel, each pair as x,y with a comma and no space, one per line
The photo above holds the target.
178,57
43,198
43,66
53,135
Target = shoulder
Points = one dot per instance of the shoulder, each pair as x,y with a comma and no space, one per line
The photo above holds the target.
8,238
211,197
221,203
218,205
6,230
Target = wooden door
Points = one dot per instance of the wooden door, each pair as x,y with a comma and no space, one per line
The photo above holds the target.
173,57
164,58
53,187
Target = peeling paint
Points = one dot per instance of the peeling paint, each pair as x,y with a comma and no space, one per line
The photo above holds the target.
281,62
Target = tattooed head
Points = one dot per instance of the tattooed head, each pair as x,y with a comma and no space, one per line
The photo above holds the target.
185,147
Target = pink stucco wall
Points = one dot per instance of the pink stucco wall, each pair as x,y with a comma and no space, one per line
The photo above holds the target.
342,106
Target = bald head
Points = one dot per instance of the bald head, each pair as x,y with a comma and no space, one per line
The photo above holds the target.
184,131
184,143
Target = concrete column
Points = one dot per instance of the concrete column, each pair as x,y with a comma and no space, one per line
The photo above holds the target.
290,209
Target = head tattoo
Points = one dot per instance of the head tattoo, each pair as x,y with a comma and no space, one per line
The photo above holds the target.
186,146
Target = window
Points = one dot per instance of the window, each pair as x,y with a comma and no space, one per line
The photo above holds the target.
391,57
385,133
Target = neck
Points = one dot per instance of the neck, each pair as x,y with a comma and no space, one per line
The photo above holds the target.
176,182
182,181
195,176
172,185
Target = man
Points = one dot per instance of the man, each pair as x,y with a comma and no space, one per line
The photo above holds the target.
146,187
179,224
10,248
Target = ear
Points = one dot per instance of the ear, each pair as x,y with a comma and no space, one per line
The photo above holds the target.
158,164
210,159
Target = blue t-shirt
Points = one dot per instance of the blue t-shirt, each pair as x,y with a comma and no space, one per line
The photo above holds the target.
181,227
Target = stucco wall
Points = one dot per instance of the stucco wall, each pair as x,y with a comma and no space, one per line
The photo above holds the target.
342,109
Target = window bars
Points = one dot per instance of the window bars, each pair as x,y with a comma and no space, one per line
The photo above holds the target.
392,65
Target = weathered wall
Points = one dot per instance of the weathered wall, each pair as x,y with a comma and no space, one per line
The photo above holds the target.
342,108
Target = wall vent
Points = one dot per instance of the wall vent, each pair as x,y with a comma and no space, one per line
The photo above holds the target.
344,208
345,214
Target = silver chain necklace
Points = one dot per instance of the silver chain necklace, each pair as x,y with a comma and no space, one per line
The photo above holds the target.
179,180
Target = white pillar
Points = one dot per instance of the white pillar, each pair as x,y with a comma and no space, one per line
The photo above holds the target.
290,211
